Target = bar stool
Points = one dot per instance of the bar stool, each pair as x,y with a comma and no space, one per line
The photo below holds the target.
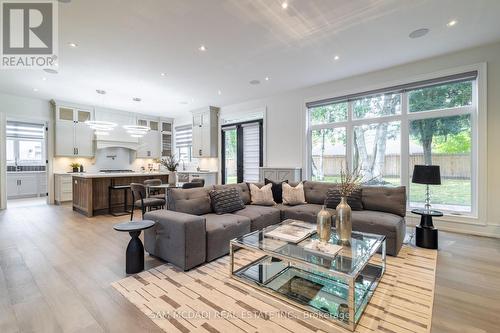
123,188
141,201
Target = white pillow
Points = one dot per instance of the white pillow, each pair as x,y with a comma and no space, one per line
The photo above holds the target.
293,195
262,196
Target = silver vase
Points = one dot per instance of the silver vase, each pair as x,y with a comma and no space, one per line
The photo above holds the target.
343,222
324,224
172,178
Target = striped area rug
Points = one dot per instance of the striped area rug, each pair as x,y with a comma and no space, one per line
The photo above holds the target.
205,299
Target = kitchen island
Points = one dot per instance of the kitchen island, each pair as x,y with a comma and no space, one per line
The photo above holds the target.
91,190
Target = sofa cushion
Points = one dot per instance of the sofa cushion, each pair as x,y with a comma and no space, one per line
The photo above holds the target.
262,196
293,195
221,229
226,200
260,216
306,212
315,192
354,200
194,201
390,225
389,199
242,189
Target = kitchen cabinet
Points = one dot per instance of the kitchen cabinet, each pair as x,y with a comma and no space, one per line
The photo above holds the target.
205,132
73,136
63,188
26,184
166,137
280,174
149,144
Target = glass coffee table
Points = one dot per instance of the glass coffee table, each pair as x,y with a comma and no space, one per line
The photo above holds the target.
336,287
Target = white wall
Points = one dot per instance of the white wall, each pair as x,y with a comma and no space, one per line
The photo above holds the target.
286,121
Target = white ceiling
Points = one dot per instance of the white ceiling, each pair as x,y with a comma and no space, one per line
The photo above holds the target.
124,45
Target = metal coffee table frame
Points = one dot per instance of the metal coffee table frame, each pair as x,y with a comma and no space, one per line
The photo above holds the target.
350,279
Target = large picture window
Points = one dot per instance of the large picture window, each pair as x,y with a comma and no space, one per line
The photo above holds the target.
25,144
385,133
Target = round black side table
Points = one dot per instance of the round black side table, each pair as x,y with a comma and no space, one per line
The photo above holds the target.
426,235
135,249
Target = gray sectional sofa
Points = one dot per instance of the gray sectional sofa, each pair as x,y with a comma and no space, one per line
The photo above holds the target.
188,233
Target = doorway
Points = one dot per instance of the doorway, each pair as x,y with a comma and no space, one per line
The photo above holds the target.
26,161
242,151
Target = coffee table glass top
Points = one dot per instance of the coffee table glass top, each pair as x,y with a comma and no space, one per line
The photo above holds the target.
350,260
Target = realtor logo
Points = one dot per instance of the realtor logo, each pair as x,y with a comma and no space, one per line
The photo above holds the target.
29,34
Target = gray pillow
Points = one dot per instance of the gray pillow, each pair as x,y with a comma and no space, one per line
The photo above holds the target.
332,199
226,201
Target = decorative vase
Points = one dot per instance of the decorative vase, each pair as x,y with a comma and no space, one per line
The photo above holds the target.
172,178
324,224
343,222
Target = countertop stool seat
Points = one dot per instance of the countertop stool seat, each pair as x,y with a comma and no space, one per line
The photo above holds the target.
123,188
135,249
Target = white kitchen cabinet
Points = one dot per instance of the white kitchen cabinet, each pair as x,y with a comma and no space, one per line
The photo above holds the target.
149,144
166,137
26,184
73,136
205,132
280,174
63,186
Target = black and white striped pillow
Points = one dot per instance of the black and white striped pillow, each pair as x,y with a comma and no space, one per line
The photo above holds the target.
226,201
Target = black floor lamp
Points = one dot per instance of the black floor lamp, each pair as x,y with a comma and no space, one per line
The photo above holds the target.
426,234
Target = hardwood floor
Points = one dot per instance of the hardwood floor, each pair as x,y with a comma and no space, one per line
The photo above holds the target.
56,267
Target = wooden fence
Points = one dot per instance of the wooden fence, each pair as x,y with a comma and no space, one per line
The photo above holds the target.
451,165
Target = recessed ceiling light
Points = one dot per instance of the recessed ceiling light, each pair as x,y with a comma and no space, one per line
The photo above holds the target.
219,92
284,5
163,74
136,99
100,91
35,89
418,33
266,78
336,57
50,71
452,23
44,78
254,82
202,48
71,44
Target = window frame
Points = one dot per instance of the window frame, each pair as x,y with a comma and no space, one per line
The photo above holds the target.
477,111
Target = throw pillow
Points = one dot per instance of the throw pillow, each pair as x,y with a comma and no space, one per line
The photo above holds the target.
262,196
226,201
277,189
354,200
293,195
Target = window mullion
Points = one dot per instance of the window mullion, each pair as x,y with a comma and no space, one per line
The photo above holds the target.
405,147
349,135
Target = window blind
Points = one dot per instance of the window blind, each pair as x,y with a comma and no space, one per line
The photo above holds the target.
461,77
25,130
183,136
251,152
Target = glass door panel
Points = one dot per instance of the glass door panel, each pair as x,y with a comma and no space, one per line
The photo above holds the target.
230,156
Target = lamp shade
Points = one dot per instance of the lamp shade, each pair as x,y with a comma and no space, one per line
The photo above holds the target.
426,174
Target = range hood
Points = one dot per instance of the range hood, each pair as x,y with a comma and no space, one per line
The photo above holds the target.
102,144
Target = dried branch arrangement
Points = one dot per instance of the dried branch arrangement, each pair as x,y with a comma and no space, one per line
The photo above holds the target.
349,181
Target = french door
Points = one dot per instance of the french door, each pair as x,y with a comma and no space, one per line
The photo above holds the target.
242,147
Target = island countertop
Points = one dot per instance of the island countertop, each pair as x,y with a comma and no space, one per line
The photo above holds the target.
113,174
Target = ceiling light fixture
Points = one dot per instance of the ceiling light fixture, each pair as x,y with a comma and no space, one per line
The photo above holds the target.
101,125
452,23
35,89
137,99
284,5
219,92
101,133
336,57
184,102
163,74
44,78
254,82
136,135
100,91
202,48
267,78
418,33
71,44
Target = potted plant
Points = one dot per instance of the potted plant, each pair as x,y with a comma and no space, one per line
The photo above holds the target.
349,182
171,163
75,166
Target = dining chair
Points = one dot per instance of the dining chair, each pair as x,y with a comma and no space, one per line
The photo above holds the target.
154,192
141,201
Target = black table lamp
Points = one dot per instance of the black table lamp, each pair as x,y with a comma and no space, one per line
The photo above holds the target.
428,175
